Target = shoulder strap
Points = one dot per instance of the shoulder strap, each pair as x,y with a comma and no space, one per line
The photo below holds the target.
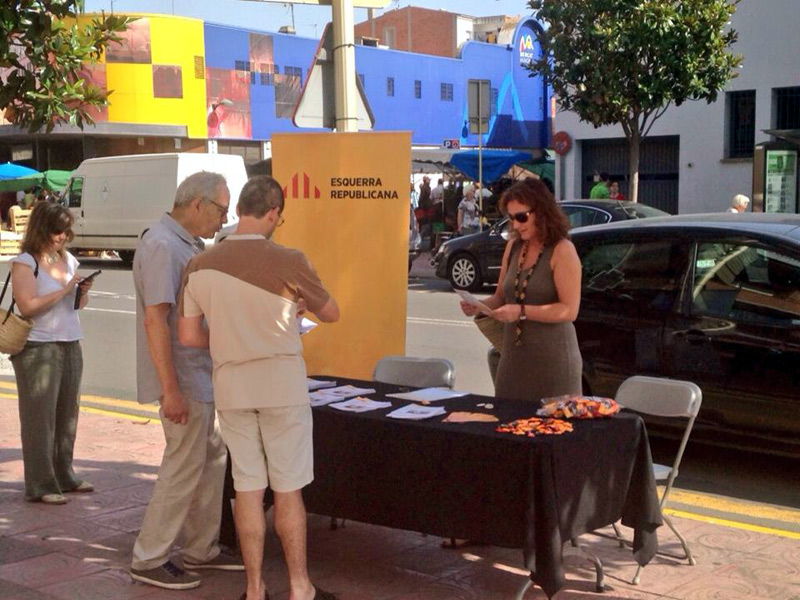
5,287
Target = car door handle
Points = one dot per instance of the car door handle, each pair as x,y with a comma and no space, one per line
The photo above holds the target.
695,336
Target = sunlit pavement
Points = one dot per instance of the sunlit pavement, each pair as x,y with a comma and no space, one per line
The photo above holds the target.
82,550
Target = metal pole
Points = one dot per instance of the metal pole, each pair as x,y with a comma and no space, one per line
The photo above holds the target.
344,66
480,155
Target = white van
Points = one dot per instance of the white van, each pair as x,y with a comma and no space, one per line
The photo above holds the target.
114,199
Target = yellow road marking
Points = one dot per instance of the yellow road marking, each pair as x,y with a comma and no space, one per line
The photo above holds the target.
738,507
118,415
734,524
149,408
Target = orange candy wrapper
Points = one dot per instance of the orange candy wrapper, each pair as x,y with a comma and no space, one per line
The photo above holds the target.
535,426
578,407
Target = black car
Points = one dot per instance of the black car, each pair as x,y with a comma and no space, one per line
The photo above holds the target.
471,261
713,299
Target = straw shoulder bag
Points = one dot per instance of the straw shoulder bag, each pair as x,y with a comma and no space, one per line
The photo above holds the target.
14,329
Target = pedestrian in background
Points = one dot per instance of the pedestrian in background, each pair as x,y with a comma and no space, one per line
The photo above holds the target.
187,498
468,214
739,204
48,370
614,193
600,190
250,291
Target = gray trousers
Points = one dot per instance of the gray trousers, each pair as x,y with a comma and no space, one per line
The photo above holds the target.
48,385
186,505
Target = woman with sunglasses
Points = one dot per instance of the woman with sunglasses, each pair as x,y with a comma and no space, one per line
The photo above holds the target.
49,368
538,297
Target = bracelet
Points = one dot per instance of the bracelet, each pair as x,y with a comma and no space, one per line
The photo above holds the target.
522,315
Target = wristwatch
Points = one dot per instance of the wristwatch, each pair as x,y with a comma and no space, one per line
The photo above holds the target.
522,315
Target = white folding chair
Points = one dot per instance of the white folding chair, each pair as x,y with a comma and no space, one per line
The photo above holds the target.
413,371
663,398
419,372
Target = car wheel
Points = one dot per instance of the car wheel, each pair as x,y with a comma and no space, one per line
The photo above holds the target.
464,273
126,256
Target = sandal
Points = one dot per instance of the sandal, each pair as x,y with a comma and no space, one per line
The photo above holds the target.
456,544
323,595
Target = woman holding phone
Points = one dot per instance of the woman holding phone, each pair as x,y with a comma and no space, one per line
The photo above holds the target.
49,368
538,296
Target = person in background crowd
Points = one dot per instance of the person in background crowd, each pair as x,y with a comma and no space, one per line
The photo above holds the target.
739,204
613,191
468,214
187,498
48,369
538,297
600,190
260,387
414,197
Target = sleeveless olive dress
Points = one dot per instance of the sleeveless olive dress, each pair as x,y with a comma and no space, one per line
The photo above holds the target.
548,363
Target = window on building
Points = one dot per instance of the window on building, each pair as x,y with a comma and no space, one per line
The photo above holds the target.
390,37
267,72
741,113
447,92
787,107
494,95
294,72
417,89
390,86
241,65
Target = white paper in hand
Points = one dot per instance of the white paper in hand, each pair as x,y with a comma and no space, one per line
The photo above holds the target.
473,301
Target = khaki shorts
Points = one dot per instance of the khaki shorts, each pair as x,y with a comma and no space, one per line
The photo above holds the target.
269,447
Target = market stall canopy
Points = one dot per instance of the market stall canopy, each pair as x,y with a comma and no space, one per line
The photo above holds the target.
53,180
11,171
496,163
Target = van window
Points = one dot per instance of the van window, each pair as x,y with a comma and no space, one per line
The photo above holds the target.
746,283
634,275
72,199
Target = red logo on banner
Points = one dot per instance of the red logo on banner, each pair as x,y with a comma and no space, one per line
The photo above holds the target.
301,187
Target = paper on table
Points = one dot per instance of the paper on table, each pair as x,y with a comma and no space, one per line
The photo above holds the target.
472,300
359,405
316,384
429,394
326,396
415,412
305,325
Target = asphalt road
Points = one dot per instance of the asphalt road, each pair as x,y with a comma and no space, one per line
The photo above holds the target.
723,483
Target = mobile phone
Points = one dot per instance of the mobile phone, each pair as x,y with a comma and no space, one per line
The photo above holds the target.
78,291
92,276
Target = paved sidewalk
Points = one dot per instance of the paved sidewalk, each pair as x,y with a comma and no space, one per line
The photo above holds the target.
81,551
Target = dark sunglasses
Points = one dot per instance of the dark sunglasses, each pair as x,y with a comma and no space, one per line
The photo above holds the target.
521,217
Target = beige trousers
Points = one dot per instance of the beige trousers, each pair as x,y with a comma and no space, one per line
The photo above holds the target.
187,499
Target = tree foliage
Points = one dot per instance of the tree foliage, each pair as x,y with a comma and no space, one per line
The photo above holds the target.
42,50
626,61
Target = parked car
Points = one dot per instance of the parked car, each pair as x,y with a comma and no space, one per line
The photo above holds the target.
471,261
713,299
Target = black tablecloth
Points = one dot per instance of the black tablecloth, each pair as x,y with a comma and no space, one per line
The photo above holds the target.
468,481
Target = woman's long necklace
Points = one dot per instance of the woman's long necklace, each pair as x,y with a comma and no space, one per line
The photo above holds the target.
519,290
52,258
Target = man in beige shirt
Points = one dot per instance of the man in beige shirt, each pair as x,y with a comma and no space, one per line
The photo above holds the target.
250,291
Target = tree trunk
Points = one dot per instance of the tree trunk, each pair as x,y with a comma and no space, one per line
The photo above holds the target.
634,142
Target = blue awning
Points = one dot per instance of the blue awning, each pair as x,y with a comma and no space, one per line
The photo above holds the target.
496,163
11,171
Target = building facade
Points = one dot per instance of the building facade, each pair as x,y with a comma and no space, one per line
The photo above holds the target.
699,155
188,85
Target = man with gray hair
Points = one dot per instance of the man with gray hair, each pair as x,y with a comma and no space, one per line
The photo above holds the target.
739,204
250,290
187,498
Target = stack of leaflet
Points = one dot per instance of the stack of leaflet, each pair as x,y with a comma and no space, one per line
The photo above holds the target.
316,384
428,394
359,405
337,394
415,412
